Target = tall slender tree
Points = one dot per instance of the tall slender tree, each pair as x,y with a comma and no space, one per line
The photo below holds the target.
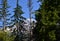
30,16
18,14
4,12
18,20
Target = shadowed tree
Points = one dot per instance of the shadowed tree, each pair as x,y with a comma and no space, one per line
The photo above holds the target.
47,18
4,12
30,16
18,20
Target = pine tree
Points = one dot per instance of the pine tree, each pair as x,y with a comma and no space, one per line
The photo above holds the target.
4,12
30,16
18,20
49,18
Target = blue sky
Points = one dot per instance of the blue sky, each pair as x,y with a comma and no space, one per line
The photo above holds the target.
23,4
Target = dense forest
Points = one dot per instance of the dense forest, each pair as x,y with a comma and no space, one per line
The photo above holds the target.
46,27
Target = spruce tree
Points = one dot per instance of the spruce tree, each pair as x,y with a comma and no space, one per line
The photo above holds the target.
18,20
30,16
49,18
4,12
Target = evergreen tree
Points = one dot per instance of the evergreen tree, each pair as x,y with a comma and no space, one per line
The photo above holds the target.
18,20
47,20
30,16
4,12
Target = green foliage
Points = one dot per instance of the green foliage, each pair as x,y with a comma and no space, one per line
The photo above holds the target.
50,17
47,18
5,37
52,35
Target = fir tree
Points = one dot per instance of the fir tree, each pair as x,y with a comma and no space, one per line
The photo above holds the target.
18,20
47,20
4,12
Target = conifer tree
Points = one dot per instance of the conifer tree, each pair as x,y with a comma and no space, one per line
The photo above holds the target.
30,16
18,20
4,12
49,18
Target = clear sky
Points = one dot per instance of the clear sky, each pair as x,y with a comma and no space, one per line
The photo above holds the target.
23,4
